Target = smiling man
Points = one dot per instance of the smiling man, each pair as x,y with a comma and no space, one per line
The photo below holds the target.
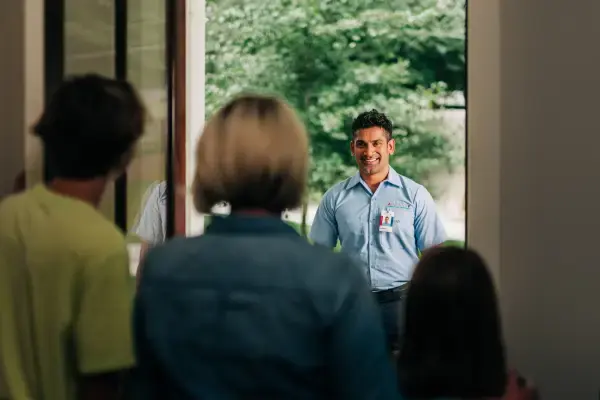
381,218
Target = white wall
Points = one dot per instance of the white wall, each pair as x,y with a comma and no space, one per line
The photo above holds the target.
534,202
195,102
12,153
21,88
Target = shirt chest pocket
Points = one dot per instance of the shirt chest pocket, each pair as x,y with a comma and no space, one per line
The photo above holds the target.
403,229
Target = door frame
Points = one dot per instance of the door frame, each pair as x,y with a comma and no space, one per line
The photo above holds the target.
175,53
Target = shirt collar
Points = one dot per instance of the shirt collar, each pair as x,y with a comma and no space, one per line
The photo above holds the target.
393,178
249,224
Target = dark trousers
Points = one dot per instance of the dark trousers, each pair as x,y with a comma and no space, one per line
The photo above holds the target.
391,306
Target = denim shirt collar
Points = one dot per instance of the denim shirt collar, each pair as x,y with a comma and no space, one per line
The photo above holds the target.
249,224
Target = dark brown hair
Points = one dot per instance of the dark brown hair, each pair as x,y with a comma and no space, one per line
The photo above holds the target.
90,126
453,344
370,119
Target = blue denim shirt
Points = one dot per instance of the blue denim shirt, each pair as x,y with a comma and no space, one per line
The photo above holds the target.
251,310
351,212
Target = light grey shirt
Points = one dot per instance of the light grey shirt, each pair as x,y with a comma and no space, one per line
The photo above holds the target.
151,226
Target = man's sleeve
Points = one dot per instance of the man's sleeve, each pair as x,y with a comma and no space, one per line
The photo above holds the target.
103,325
324,229
429,229
150,225
362,365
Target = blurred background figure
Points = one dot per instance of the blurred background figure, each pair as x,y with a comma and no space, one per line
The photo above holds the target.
250,309
453,345
151,224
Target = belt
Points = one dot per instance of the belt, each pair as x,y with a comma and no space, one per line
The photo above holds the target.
389,295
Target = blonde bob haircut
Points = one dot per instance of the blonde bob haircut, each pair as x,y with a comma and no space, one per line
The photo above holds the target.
253,154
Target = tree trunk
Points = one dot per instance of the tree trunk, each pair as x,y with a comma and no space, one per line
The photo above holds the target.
304,225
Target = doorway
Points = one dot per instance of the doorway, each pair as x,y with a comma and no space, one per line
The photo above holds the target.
142,41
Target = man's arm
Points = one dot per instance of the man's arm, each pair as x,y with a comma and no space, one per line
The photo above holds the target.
429,229
324,229
149,228
362,366
102,329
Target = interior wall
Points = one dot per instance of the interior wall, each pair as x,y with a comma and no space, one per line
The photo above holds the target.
533,132
12,151
483,130
195,103
21,89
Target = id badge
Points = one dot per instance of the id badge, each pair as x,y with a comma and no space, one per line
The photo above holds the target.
386,221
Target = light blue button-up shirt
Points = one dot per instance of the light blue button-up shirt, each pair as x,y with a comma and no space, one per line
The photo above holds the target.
151,226
350,212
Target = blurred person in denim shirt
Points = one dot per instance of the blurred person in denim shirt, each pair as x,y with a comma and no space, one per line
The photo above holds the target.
250,309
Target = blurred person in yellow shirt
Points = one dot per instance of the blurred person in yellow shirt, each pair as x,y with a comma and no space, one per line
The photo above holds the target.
65,289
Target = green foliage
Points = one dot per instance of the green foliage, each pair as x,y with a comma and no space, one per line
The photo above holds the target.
333,59
338,247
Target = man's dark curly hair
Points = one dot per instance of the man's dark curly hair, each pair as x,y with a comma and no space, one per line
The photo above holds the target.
370,119
90,126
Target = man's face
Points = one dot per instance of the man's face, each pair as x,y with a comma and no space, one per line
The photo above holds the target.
372,150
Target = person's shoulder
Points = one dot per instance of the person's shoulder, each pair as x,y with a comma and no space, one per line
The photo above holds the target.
17,201
60,227
161,260
91,235
161,189
409,183
334,191
100,240
100,254
413,189
15,206
12,203
157,190
10,209
108,235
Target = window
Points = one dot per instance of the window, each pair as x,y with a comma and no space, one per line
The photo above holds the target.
334,60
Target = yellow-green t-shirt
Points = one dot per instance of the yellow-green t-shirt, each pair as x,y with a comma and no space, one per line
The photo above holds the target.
65,296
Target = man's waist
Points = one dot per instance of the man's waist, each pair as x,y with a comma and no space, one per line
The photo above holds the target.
393,294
